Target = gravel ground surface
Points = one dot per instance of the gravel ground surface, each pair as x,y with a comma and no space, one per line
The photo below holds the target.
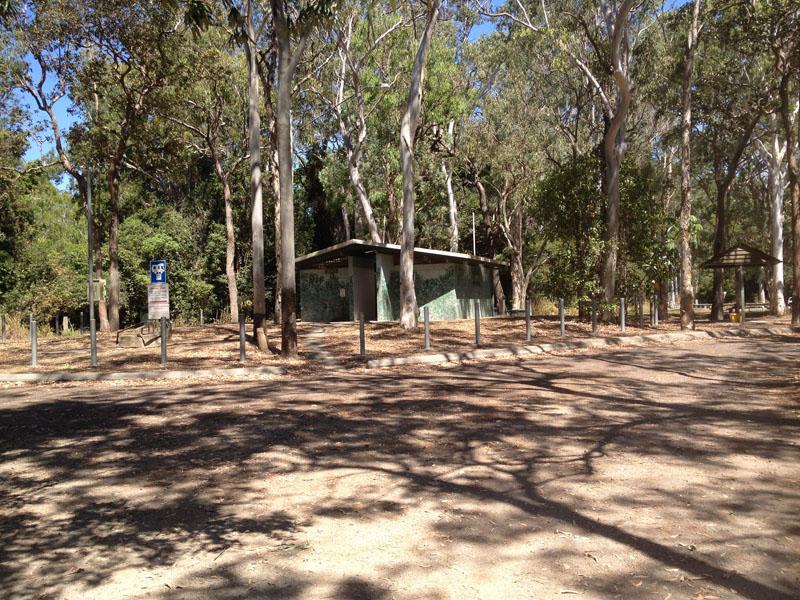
218,346
213,346
658,472
384,340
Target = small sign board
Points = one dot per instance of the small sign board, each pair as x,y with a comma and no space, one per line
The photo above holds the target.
157,301
158,271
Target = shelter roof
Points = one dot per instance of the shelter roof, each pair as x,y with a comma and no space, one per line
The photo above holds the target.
740,256
363,248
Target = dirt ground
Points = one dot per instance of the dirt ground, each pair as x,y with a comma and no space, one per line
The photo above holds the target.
190,347
659,472
215,346
384,340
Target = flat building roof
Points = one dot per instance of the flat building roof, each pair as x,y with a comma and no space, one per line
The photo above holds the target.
337,252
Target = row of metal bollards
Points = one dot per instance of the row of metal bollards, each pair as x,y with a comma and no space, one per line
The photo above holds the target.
528,316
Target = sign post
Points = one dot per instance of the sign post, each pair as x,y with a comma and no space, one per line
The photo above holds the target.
158,291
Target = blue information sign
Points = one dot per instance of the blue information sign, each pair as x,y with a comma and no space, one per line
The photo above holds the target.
158,271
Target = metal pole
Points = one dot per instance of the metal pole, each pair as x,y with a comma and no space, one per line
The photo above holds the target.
163,342
34,344
201,317
528,320
426,316
3,319
622,314
477,323
362,338
83,323
241,338
90,237
594,315
93,335
561,315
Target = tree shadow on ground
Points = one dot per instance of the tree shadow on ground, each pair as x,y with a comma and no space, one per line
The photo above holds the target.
94,479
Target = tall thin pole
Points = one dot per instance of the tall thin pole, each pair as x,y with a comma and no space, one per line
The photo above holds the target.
90,278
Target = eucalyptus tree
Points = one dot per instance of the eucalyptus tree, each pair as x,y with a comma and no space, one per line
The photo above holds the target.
730,103
686,287
208,101
358,86
774,151
783,31
128,52
293,28
49,32
409,317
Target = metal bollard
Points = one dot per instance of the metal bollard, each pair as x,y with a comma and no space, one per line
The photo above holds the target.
163,342
34,344
594,315
528,320
241,338
561,315
477,323
362,338
3,334
93,338
201,317
426,319
622,314
83,324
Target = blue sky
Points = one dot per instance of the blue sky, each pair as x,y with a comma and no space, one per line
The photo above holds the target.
44,144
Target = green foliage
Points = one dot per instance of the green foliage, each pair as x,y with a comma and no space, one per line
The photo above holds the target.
164,233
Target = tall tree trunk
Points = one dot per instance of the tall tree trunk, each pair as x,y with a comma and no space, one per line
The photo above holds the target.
517,282
393,226
453,208
497,284
353,158
720,244
287,65
408,126
113,248
686,289
257,206
447,171
794,189
346,223
614,147
776,183
724,176
230,251
275,178
102,307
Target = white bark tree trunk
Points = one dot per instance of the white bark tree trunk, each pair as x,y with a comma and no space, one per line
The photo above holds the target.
453,208
776,184
614,147
686,289
288,58
447,171
256,194
408,126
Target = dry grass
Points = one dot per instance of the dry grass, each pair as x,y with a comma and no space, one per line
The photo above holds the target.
386,339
